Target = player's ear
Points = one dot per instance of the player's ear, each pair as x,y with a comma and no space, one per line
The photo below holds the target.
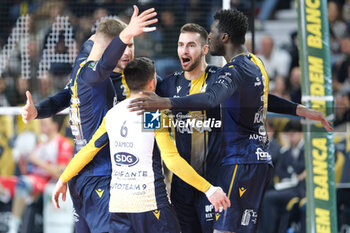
152,84
205,50
225,37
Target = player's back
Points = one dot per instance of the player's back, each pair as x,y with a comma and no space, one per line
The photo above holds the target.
89,104
244,113
137,183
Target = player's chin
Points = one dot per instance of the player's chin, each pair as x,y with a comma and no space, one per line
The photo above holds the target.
186,66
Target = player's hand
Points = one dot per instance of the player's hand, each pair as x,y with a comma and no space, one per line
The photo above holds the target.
29,111
61,187
218,199
151,102
314,115
139,24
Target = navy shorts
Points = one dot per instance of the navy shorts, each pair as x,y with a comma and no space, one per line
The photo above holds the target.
193,209
162,220
90,196
245,186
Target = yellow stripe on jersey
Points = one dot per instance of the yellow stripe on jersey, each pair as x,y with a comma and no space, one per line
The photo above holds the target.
126,90
176,163
199,139
74,110
232,180
265,77
85,155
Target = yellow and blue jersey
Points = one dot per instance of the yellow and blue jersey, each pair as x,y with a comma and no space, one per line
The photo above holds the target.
199,145
92,94
242,88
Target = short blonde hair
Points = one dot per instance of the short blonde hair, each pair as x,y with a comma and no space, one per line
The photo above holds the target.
111,27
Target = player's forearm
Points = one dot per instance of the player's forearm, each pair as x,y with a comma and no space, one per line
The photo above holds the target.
87,153
280,105
177,164
80,160
103,68
207,100
185,172
54,104
112,54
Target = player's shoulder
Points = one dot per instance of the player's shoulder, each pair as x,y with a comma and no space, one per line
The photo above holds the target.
172,77
211,69
119,109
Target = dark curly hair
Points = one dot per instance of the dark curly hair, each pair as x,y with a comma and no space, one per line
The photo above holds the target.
234,23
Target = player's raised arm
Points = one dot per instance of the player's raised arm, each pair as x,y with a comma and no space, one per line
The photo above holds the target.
104,65
80,160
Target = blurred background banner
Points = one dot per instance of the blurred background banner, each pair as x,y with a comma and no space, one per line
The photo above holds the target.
314,53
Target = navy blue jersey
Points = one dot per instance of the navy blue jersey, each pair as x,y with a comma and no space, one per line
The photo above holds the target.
92,95
242,86
199,146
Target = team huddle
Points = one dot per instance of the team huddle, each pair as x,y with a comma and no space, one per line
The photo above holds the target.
220,171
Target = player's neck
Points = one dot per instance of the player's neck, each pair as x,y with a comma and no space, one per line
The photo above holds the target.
232,51
196,72
137,94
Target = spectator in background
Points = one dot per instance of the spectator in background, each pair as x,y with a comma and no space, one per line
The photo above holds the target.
168,63
346,13
3,98
337,26
276,61
274,145
280,88
342,108
295,85
19,97
343,72
289,179
46,162
293,50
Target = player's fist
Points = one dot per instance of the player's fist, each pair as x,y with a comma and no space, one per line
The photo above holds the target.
29,111
139,24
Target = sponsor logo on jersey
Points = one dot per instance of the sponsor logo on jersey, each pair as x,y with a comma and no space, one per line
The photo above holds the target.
211,70
257,83
125,159
209,213
242,191
178,88
75,215
217,216
157,213
99,192
262,155
258,137
249,216
151,120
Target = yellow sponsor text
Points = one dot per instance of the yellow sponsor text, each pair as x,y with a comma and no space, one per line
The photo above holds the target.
323,224
319,161
313,24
